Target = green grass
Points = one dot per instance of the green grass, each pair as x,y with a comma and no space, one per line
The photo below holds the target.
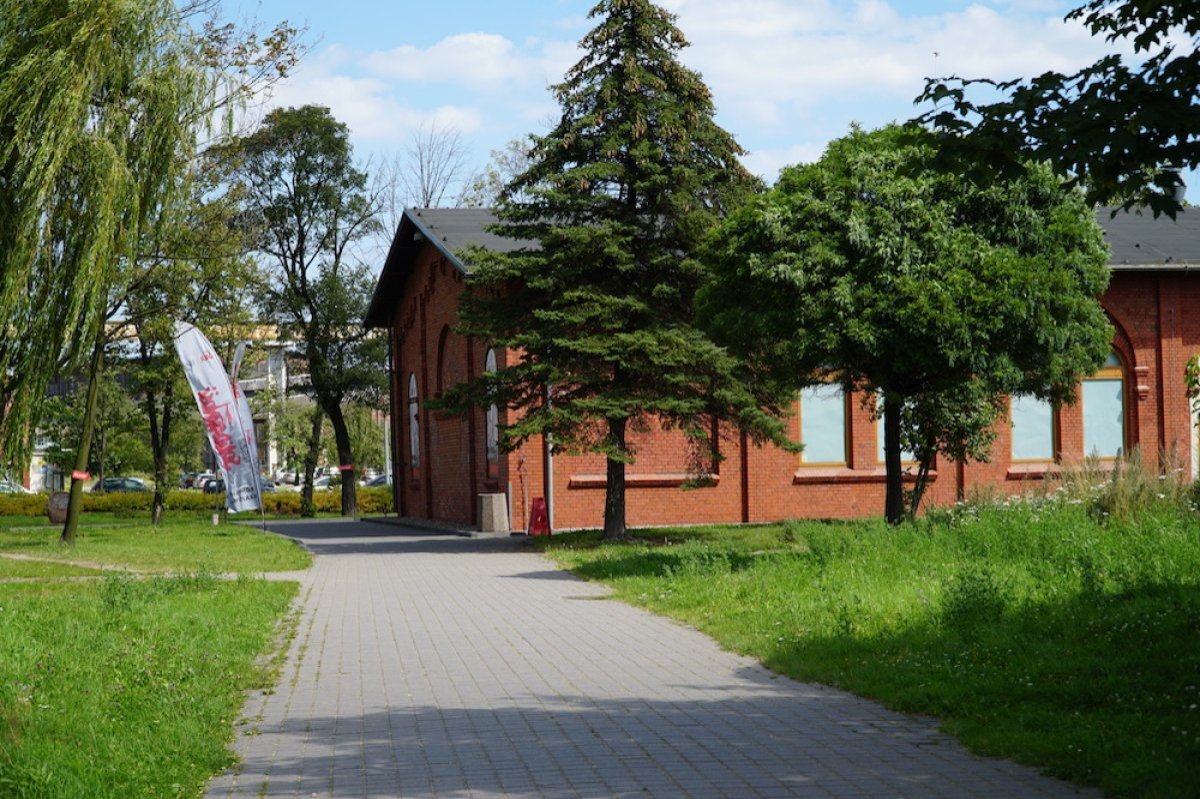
11,568
124,687
178,545
1039,631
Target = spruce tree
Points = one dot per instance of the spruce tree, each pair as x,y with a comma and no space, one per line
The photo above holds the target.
599,304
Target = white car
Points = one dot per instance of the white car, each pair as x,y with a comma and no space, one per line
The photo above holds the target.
12,487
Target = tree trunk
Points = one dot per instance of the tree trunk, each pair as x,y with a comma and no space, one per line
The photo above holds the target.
922,482
100,442
894,502
75,506
310,463
341,436
614,493
160,440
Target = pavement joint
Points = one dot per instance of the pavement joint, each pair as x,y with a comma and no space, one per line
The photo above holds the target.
428,665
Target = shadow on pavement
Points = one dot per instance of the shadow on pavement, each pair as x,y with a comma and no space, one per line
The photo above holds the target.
365,537
762,742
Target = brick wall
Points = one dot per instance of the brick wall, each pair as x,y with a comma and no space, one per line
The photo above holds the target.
1156,317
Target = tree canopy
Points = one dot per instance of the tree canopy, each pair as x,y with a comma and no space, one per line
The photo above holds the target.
94,108
616,198
307,205
1116,126
872,269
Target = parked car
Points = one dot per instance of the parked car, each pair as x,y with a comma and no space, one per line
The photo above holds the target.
380,480
111,485
201,479
12,487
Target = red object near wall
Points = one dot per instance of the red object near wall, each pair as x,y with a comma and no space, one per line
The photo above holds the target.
539,519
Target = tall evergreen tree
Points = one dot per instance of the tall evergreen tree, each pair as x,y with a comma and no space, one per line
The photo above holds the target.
600,304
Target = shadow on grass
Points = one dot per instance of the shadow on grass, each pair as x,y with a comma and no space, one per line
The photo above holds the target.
670,562
1101,688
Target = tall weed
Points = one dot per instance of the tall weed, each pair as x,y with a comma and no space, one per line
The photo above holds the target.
1128,489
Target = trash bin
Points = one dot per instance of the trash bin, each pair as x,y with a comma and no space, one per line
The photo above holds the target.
56,507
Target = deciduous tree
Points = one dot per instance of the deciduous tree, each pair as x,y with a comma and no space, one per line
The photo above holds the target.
94,100
872,268
308,206
1114,126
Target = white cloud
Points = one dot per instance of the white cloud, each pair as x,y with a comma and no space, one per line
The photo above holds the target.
368,106
767,163
786,75
478,60
767,60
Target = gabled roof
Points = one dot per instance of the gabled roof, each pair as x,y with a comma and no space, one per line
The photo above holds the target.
1139,242
451,230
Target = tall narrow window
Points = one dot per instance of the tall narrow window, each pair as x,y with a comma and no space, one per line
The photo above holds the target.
1104,411
1032,429
492,432
823,424
414,424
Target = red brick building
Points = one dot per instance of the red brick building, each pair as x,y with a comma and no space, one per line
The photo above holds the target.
444,462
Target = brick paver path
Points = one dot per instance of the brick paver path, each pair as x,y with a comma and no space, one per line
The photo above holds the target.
440,666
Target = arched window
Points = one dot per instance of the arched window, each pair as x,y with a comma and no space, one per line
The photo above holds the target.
823,425
492,431
1032,422
1103,400
414,423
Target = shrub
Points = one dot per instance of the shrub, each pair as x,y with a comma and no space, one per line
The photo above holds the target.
371,501
23,504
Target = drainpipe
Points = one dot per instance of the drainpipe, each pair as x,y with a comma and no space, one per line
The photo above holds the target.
548,457
393,426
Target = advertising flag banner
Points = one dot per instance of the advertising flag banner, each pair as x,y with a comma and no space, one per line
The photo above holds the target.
226,416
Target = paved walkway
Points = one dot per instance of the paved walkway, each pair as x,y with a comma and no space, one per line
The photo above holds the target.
440,666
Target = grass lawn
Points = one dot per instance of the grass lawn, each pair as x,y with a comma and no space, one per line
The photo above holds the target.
1037,631
124,686
180,544
11,568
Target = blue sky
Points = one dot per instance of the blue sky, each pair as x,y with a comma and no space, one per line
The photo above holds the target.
787,75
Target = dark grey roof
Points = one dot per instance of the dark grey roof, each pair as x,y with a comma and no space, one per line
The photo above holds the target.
1138,242
451,230
1141,242
454,229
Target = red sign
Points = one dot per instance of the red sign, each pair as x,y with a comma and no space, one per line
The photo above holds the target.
346,467
78,475
539,518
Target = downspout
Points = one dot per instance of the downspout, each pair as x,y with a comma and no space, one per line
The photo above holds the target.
548,460
394,425
745,486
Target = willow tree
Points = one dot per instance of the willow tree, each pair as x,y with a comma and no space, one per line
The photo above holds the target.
101,102
616,198
93,99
